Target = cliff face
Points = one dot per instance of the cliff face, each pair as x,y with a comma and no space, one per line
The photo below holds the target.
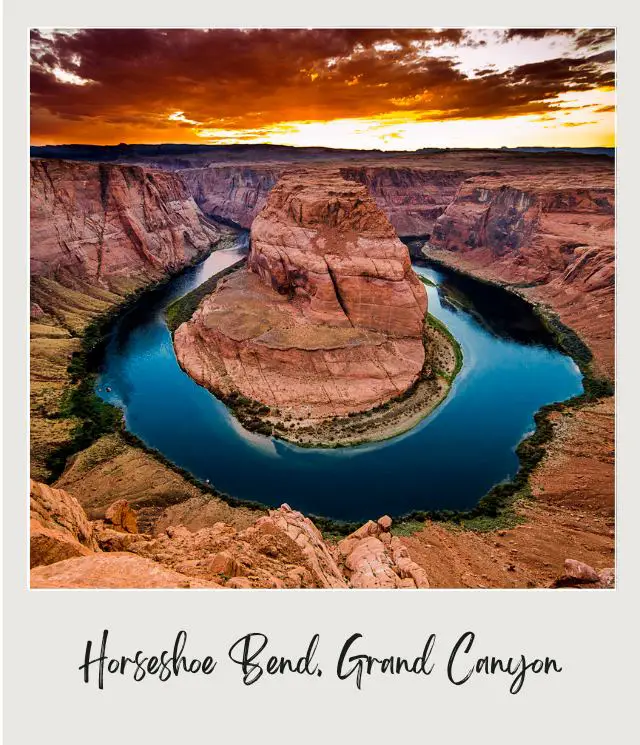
111,225
551,237
412,198
98,232
322,240
235,193
328,317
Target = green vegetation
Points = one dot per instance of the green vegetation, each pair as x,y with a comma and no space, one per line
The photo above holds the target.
248,412
436,323
94,417
407,527
183,308
426,280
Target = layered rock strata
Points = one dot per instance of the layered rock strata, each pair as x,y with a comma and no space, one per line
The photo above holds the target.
98,233
327,318
550,236
233,193
117,227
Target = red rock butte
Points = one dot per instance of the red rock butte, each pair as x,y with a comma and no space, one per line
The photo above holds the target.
327,318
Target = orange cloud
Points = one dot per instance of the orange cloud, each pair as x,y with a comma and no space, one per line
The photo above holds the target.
170,85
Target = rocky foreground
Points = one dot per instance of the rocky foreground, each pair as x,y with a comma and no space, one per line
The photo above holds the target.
327,319
280,550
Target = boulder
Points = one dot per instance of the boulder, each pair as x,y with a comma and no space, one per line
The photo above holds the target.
59,528
121,517
579,574
373,558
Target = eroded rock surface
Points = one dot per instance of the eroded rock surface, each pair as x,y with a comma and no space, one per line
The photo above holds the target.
58,525
328,316
373,558
284,549
110,225
550,235
111,571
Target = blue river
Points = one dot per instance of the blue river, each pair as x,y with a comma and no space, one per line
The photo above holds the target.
449,461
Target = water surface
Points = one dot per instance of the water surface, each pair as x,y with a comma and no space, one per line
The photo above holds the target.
449,461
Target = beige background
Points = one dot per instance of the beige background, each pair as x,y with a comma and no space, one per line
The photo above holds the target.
591,633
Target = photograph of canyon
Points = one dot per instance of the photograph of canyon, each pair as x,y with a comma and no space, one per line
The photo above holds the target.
322,308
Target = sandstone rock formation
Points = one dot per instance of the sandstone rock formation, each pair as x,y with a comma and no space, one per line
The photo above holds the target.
121,517
328,317
117,227
549,234
373,558
284,549
111,571
59,526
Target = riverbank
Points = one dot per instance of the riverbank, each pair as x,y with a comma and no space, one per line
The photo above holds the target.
506,504
489,514
66,414
443,361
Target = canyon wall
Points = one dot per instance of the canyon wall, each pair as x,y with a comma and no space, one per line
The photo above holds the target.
328,317
411,197
98,233
549,235
234,193
110,225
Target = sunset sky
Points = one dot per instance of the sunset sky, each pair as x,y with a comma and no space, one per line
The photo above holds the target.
388,89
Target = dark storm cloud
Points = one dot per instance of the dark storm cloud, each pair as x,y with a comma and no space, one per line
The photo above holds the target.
582,38
250,79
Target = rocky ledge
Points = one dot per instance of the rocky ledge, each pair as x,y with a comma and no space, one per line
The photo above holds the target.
328,318
282,549
279,550
549,236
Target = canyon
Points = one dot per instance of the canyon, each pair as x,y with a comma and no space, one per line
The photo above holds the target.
540,225
99,233
328,318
